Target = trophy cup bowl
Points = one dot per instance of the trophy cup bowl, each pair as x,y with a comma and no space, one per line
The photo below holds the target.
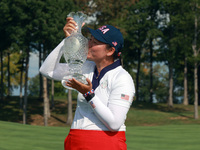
75,51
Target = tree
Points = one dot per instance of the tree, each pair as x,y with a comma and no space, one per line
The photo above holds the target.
196,50
185,101
142,28
41,22
199,84
2,86
69,106
48,21
52,94
183,22
3,15
173,27
13,70
13,28
46,102
26,88
136,28
8,66
21,79
6,38
153,33
33,88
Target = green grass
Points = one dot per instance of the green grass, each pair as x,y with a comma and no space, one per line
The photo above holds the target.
149,126
170,137
145,114
14,136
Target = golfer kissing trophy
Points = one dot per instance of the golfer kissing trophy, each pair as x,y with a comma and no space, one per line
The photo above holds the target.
75,51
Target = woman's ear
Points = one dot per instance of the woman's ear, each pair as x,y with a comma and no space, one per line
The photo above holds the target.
111,51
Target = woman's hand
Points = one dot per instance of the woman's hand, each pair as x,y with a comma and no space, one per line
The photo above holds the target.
82,88
70,26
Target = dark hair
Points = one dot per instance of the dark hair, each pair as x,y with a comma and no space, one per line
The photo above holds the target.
115,55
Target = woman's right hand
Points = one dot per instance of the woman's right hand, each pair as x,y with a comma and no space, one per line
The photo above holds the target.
82,88
70,26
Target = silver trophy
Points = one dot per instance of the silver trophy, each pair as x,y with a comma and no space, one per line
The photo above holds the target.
75,51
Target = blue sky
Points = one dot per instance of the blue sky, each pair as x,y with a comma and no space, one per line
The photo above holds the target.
33,69
34,65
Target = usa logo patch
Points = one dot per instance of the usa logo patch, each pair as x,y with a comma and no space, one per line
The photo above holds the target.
114,43
104,29
125,97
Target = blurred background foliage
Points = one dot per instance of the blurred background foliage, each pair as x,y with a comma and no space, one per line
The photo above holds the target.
161,49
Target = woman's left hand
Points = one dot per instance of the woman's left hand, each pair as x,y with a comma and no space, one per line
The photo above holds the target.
82,88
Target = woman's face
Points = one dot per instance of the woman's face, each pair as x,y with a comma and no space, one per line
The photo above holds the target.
97,50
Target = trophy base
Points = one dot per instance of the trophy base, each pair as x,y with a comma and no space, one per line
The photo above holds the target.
77,76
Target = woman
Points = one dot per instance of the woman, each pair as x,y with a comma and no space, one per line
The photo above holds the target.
103,103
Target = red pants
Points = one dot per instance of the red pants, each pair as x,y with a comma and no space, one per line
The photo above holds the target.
95,140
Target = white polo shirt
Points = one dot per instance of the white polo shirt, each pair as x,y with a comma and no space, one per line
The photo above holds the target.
113,86
114,91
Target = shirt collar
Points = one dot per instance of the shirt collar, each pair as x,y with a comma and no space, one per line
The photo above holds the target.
97,77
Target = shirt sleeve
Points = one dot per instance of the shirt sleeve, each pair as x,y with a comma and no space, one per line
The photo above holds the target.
114,114
51,68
